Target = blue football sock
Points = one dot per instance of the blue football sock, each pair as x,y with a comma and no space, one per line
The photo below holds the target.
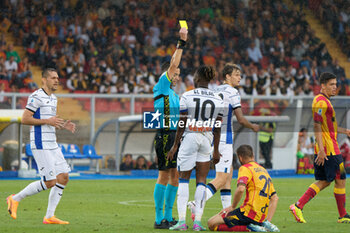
159,191
170,195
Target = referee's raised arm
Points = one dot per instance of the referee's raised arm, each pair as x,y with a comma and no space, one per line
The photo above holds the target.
176,58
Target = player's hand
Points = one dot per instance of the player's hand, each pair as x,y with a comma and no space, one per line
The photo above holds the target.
321,156
56,122
226,211
171,153
183,34
68,125
347,132
256,127
216,157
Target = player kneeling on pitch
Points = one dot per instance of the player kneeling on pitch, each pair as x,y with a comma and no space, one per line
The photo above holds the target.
260,203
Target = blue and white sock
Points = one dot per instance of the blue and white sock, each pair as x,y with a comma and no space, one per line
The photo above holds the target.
183,195
210,191
199,198
170,195
159,191
31,189
54,198
225,197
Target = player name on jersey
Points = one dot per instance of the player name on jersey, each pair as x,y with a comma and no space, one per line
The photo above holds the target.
203,92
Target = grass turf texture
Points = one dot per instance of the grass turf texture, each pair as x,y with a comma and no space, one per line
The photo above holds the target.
127,206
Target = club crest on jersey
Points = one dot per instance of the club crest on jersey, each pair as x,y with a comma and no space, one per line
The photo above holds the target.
319,112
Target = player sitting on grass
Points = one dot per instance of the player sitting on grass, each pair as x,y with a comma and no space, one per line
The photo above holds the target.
260,203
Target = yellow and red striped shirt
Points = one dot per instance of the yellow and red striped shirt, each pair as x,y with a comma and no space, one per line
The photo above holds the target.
324,114
259,190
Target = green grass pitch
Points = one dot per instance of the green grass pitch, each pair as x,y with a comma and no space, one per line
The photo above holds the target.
127,206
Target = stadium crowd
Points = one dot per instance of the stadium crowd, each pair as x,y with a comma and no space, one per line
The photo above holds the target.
102,47
140,163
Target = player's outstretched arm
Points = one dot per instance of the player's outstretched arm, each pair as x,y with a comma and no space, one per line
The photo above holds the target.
344,131
243,121
181,126
272,207
176,58
28,119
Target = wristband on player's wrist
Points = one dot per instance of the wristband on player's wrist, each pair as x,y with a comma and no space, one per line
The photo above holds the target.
181,44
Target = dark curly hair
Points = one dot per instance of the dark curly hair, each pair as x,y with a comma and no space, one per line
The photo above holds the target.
204,73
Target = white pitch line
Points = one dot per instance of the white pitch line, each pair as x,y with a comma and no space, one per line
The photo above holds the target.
135,203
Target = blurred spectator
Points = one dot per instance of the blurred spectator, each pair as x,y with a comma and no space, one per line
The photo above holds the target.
254,53
273,89
80,82
305,150
142,87
127,163
248,88
12,53
114,38
2,91
141,163
154,165
180,87
11,68
324,67
338,70
343,85
266,136
345,151
129,39
3,73
107,84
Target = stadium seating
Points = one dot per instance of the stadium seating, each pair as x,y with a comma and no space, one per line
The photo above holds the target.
64,152
29,154
90,152
73,149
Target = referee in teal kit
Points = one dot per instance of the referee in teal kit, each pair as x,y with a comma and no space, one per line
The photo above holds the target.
167,102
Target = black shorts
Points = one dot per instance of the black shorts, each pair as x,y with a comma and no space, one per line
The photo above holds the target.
237,218
163,142
333,168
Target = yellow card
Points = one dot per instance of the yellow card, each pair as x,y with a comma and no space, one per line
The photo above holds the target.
183,24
